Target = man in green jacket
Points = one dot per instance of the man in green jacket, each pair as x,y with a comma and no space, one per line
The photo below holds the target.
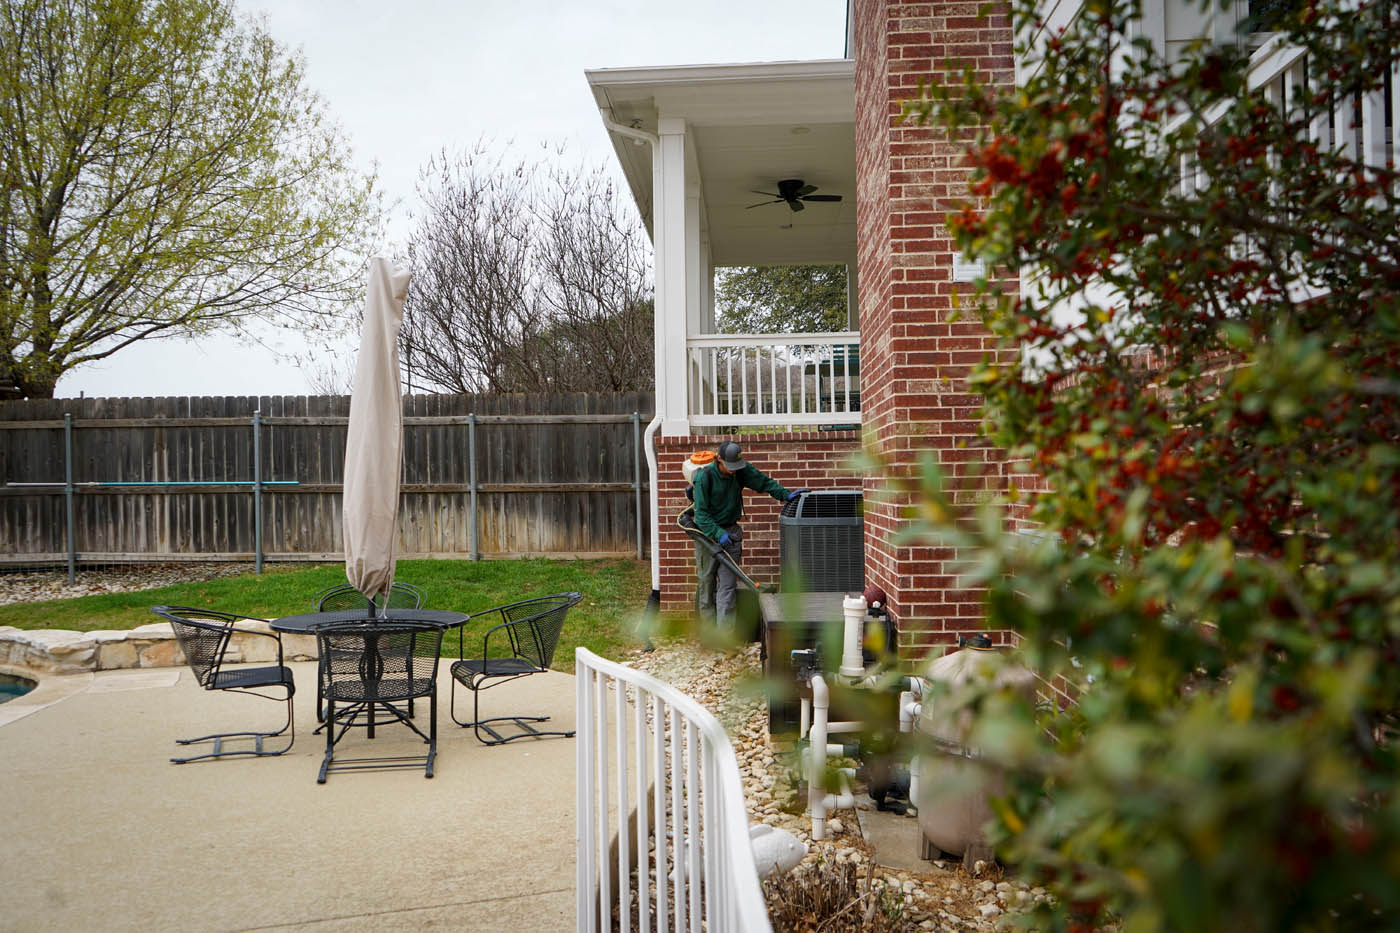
719,505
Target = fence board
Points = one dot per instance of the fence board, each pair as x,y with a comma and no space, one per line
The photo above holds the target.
554,476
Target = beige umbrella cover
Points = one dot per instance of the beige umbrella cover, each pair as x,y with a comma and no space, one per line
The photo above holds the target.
374,444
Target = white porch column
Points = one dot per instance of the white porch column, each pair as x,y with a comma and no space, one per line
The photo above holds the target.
675,232
852,297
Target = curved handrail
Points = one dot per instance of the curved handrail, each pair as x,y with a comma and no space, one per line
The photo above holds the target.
711,852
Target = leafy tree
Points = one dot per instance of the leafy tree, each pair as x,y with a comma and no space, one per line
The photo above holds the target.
163,171
780,299
526,278
1217,427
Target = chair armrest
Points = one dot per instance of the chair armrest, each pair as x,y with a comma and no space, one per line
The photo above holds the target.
508,627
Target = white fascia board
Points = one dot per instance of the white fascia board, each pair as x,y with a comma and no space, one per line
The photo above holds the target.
716,74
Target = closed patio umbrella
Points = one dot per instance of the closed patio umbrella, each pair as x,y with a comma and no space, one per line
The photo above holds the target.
374,443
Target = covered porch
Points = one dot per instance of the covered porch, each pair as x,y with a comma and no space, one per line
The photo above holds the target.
700,146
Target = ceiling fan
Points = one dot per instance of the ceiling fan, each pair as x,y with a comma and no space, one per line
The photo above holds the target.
793,191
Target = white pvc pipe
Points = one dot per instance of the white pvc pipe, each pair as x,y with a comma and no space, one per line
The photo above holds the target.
816,757
910,708
852,662
655,473
914,783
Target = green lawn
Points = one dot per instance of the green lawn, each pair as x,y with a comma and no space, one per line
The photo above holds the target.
615,593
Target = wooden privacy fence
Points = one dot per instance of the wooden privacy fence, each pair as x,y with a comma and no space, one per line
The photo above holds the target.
247,478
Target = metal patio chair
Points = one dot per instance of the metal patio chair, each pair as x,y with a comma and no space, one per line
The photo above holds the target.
524,642
369,666
204,636
345,597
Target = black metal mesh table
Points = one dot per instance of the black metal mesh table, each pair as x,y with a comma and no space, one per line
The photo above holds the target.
308,623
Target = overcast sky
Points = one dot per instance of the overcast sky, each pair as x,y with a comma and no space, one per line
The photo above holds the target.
408,78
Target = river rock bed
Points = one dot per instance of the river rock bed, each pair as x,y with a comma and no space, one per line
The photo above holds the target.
33,586
944,898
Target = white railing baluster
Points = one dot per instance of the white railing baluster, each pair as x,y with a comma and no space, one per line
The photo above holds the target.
710,836
624,867
759,391
692,822
658,793
773,380
729,384
715,883
600,710
639,722
744,379
846,374
787,379
677,774
585,876
1393,156
803,372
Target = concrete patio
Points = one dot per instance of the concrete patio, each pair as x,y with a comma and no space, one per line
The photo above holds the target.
103,833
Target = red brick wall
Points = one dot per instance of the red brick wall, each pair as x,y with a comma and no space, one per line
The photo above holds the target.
818,460
915,361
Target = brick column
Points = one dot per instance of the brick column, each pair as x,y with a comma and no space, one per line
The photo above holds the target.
914,360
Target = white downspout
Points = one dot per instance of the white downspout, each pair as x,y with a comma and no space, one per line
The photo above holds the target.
653,468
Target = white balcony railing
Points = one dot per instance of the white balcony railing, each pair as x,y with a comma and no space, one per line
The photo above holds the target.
669,793
774,379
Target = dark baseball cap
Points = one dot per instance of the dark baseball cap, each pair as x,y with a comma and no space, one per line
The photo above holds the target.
731,456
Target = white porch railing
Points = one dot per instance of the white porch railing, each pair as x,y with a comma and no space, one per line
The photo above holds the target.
1354,127
672,780
765,379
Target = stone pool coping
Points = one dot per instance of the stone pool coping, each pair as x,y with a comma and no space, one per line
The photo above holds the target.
28,652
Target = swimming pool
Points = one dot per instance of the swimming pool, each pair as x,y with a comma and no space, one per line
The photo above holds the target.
12,686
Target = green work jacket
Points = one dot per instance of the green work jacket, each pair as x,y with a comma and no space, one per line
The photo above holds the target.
719,499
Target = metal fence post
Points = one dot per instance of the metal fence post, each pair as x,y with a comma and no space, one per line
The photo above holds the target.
637,474
471,478
257,490
68,495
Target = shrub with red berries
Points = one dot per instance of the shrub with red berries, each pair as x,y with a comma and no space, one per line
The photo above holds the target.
1202,279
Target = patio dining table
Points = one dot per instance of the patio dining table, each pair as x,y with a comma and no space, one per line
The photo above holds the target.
308,623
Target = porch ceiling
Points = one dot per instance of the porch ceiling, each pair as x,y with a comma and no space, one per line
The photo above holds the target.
749,126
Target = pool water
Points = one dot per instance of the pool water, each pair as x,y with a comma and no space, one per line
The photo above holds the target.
11,687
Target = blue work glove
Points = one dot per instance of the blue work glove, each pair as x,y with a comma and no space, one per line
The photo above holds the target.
795,493
725,540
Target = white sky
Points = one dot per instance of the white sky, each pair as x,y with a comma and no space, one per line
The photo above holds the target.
407,78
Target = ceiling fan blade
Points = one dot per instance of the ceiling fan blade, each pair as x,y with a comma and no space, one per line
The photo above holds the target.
805,190
796,205
769,194
822,197
761,203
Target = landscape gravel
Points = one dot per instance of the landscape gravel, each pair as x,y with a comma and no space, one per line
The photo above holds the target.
32,586
946,897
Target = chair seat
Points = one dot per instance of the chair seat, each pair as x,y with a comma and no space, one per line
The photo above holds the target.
357,691
254,677
476,669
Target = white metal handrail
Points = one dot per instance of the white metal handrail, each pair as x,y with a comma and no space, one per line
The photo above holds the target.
672,781
761,379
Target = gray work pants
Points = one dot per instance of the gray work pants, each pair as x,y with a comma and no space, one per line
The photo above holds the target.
714,591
